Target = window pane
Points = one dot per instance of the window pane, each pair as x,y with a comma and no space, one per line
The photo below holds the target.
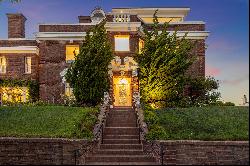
2,65
71,50
27,64
122,43
141,45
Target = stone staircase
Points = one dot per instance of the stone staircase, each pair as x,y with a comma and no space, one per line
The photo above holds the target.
121,145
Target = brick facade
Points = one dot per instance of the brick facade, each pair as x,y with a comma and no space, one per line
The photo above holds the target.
16,26
50,62
15,68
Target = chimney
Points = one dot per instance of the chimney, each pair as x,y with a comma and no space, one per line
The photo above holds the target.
16,25
84,19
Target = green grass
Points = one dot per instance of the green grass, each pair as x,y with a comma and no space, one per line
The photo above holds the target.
206,123
47,121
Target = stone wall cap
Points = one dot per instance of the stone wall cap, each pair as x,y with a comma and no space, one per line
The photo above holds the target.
42,139
201,142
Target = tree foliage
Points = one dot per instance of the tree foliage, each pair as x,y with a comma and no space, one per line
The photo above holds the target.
88,75
202,91
162,65
12,1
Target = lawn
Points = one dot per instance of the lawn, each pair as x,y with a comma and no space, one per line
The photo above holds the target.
206,123
47,121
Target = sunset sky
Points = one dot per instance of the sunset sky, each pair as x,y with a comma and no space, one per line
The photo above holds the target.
227,55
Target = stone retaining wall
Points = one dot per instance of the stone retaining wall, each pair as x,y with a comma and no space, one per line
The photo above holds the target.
39,151
206,152
16,151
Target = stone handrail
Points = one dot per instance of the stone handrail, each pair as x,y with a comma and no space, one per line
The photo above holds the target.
140,116
104,110
151,148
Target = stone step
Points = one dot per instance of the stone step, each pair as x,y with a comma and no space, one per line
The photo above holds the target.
121,136
117,124
121,108
119,152
121,130
121,141
114,121
122,163
118,117
119,158
121,146
121,120
121,111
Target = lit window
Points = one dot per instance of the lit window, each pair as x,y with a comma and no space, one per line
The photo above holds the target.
14,94
28,65
122,43
71,51
141,45
2,65
68,90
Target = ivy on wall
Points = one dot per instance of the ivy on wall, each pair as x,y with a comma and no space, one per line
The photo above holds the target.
32,85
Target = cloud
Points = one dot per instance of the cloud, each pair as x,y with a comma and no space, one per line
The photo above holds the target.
236,81
223,45
212,71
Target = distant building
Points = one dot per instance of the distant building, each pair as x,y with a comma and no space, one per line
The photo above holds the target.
245,102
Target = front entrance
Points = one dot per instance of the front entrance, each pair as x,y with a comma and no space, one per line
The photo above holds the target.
122,91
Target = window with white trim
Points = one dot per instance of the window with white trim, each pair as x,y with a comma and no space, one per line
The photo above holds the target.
122,43
27,65
2,64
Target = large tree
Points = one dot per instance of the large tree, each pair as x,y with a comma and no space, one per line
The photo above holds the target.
88,75
162,65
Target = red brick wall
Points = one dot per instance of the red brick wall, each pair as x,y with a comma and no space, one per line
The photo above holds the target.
52,62
198,51
84,19
180,27
64,28
206,152
15,68
16,25
12,43
39,151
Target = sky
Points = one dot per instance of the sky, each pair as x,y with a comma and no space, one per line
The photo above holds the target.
227,54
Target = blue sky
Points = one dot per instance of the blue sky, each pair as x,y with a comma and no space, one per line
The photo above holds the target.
227,55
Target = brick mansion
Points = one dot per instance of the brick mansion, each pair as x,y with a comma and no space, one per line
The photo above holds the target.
46,57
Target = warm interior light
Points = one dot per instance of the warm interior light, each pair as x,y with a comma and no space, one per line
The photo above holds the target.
162,19
121,42
71,51
14,94
141,45
123,81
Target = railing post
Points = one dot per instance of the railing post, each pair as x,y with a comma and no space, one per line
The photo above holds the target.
162,154
76,154
102,133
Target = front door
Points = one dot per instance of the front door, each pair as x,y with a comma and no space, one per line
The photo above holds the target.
122,91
